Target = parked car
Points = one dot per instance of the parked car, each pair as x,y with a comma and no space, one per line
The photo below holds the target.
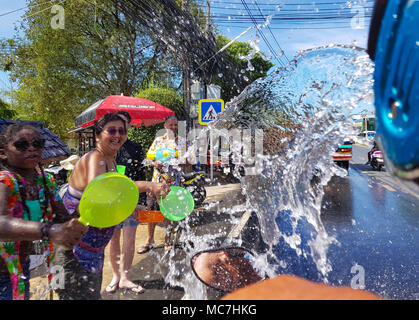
343,154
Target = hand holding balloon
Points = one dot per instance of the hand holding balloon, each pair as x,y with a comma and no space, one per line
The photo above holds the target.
159,190
67,234
178,204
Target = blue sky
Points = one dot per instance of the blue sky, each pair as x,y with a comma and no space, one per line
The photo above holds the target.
283,33
292,36
7,25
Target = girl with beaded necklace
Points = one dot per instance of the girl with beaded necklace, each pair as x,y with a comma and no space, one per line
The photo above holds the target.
30,210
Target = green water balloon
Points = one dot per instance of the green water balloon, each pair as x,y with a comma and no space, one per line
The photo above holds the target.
108,200
178,204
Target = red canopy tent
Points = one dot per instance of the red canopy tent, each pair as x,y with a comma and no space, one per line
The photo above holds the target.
143,112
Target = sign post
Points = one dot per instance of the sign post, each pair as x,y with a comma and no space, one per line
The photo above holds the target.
208,109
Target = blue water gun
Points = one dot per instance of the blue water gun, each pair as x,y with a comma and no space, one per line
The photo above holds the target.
394,45
163,155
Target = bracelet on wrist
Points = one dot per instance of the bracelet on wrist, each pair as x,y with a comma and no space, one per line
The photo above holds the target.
45,229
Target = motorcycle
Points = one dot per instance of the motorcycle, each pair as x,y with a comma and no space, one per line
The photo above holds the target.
377,161
194,183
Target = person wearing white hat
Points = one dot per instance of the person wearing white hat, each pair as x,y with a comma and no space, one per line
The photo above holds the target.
70,162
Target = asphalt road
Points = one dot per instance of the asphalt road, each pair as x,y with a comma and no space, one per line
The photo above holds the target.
375,219
383,177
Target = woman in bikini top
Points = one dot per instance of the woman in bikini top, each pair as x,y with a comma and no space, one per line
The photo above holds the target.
110,134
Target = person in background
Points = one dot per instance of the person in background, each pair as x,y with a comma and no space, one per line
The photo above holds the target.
83,265
373,149
168,175
30,208
129,157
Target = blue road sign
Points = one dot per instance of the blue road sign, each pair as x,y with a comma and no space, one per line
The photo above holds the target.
371,135
208,110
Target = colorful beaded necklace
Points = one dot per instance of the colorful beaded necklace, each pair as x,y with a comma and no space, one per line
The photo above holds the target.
9,251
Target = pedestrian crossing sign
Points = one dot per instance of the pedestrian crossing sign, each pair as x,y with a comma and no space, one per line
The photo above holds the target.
208,109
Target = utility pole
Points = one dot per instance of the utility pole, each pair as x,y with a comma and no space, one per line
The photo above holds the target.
186,81
207,32
207,18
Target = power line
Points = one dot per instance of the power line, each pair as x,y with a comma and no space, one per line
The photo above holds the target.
296,15
329,20
292,28
262,34
332,3
269,28
311,17
27,7
290,20
300,10
292,14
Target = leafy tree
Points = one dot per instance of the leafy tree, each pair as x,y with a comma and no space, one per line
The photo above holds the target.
251,68
166,97
5,111
99,52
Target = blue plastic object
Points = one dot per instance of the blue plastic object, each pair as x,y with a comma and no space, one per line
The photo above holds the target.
396,86
165,154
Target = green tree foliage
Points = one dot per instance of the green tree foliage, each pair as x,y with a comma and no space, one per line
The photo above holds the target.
166,97
99,52
6,56
5,111
252,66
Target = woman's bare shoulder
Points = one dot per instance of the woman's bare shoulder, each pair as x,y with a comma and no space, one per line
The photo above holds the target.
80,175
93,155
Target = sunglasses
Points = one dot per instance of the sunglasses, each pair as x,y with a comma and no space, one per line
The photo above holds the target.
23,145
112,131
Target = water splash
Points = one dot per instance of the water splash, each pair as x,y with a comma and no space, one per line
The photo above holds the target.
304,110
309,103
